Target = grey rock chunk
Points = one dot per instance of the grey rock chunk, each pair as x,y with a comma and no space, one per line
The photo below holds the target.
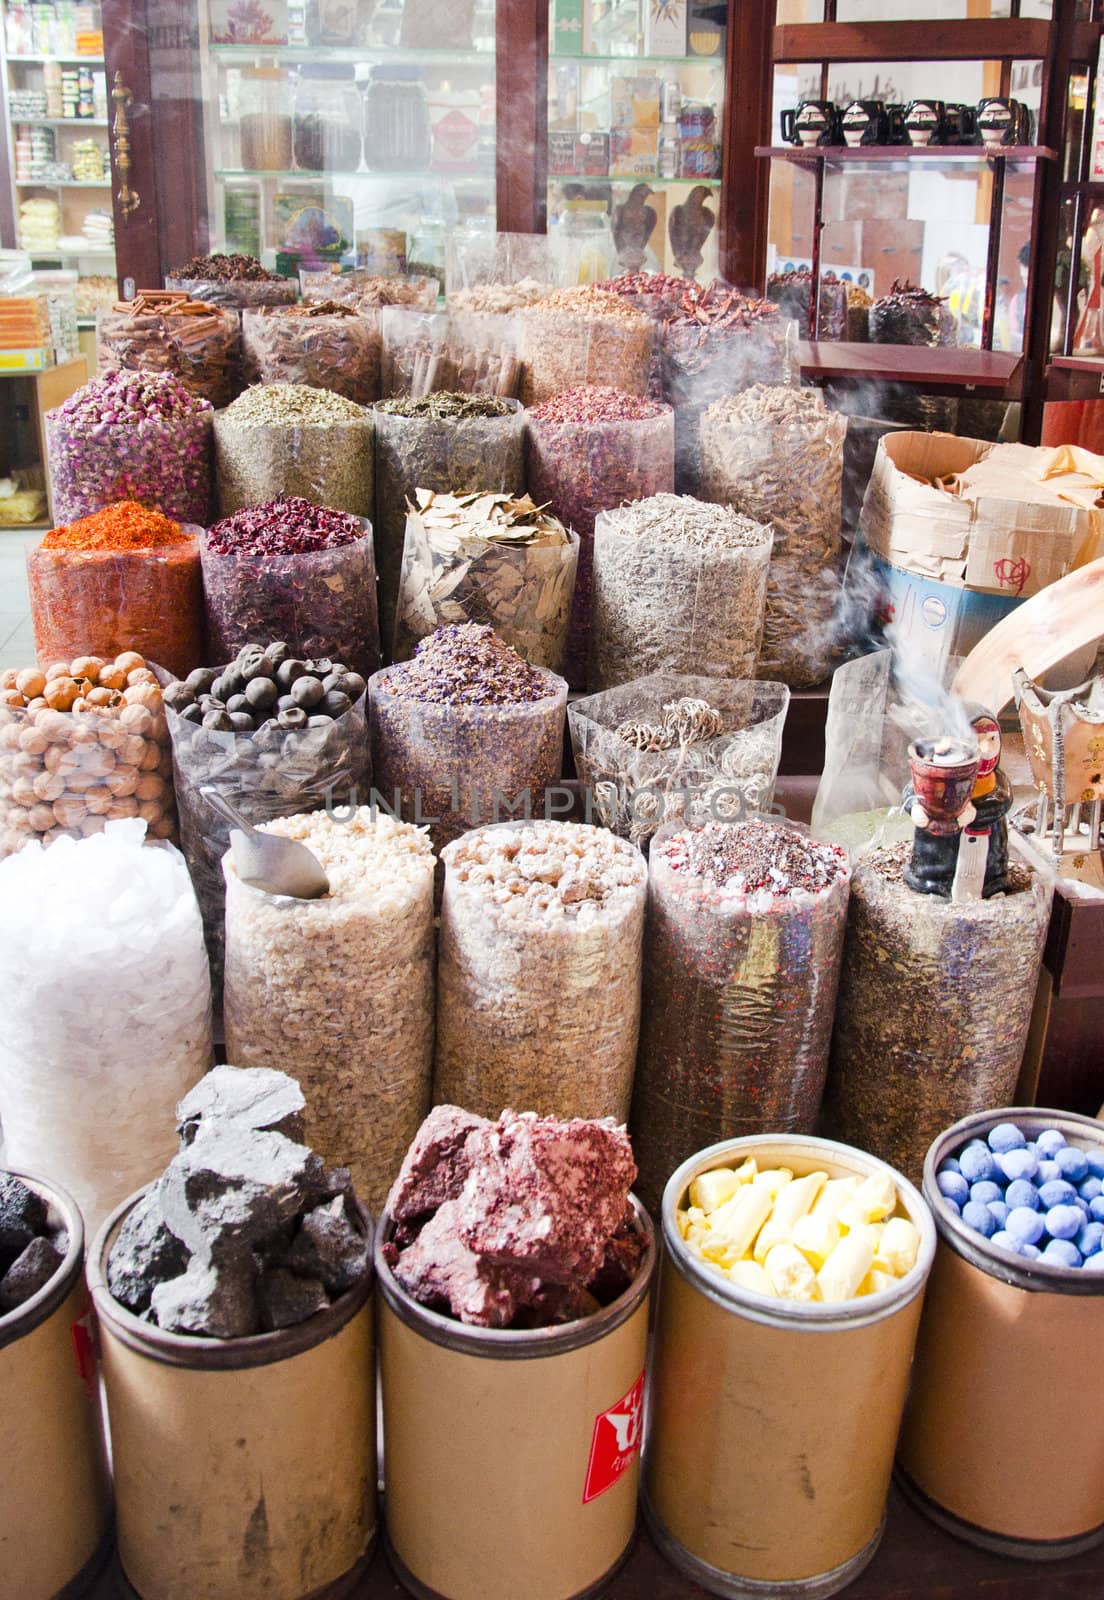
258,1097
285,1299
22,1215
437,1164
213,1298
234,1187
29,1273
330,1248
145,1253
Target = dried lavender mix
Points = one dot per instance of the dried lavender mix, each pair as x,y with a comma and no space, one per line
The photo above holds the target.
328,347
420,447
776,454
290,439
934,1007
487,558
590,450
679,586
742,950
466,732
339,990
582,335
538,981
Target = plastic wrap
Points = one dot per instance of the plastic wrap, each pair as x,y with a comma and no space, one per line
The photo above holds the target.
237,294
562,344
934,1007
578,469
340,991
203,352
105,995
430,352
453,767
476,259
69,773
323,604
739,991
102,602
664,605
538,993
331,463
273,772
165,463
792,292
340,353
777,456
456,454
633,787
522,589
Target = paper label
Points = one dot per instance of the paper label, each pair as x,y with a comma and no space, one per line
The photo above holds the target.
615,1443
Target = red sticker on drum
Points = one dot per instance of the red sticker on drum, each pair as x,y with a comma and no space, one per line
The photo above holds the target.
616,1442
84,1349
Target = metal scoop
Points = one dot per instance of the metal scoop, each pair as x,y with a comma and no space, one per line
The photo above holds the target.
265,861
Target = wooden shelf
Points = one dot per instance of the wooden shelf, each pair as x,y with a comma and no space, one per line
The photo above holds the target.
810,154
971,39
941,367
1075,378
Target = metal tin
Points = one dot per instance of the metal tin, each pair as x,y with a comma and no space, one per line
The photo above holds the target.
527,1443
773,1425
1009,1350
55,1490
245,1469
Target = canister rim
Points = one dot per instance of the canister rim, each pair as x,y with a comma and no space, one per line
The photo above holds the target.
1036,1277
817,1317
210,1354
33,1312
516,1344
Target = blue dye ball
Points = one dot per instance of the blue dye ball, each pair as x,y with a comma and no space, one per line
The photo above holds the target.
998,1209
1090,1188
1095,1158
1057,1193
1018,1164
985,1191
976,1215
1022,1193
977,1164
1050,1141
1007,1241
1090,1239
1026,1226
1005,1136
953,1186
1062,1253
1073,1164
1064,1222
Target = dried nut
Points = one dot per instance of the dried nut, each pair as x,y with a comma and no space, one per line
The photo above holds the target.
125,806
33,741
85,667
129,661
9,676
31,682
60,693
113,677
69,810
49,786
57,669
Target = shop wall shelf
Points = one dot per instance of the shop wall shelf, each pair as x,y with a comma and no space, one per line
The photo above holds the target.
833,153
943,366
966,39
40,61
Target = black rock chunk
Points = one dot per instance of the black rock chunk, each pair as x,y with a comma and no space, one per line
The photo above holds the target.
235,1187
330,1248
145,1253
29,1273
285,1299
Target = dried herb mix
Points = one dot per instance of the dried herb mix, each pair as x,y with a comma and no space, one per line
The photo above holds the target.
467,352
290,439
582,335
443,405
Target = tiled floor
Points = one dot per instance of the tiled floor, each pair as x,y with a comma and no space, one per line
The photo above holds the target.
16,638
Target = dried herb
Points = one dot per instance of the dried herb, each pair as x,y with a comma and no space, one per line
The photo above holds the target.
582,335
226,268
793,291
911,315
289,439
447,405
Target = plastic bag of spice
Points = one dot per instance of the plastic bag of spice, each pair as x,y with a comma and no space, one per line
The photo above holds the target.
679,586
200,347
430,352
131,436
327,346
776,454
233,294
367,290
669,746
82,743
912,315
582,335
288,439
465,733
125,578
792,292
446,442
487,558
294,571
742,948
587,451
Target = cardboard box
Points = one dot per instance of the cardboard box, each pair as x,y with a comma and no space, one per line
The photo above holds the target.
592,155
1009,544
36,360
634,102
664,27
567,28
634,152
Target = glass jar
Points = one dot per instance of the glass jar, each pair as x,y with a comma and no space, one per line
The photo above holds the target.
265,123
328,117
396,120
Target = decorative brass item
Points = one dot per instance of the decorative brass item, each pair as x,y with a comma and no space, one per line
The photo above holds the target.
128,198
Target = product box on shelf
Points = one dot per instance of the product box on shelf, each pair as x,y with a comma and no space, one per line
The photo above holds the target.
238,22
567,26
561,154
634,102
592,155
634,152
665,27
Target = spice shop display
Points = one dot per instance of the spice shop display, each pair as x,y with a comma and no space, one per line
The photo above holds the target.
514,1270
487,558
911,315
233,1306
742,948
162,331
793,291
450,444
1011,1269
277,735
582,335
679,586
668,746
327,346
934,1004
124,579
776,454
339,990
91,1019
82,743
816,1372
131,436
466,732
367,291
431,352
289,439
538,979
590,450
234,281
297,571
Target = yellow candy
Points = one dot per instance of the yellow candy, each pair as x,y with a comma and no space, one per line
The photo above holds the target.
791,1204
749,1275
833,1197
875,1198
792,1276
774,1180
733,1226
711,1189
847,1266
898,1246
816,1237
